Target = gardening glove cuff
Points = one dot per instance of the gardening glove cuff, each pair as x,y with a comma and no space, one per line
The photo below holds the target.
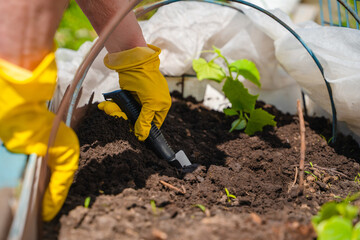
139,73
23,97
25,125
20,87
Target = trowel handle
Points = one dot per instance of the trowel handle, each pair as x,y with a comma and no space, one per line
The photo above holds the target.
156,140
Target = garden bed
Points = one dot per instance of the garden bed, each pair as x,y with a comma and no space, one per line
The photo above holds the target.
125,180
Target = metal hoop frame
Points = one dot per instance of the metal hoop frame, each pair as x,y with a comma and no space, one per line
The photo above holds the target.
348,8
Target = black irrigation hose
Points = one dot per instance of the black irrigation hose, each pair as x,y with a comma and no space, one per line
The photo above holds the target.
142,10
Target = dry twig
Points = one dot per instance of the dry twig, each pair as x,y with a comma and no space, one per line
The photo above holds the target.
302,147
293,184
183,188
171,187
331,171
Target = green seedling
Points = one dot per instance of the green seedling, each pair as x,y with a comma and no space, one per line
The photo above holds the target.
154,209
357,178
202,207
328,141
229,196
87,202
310,173
242,102
323,137
337,220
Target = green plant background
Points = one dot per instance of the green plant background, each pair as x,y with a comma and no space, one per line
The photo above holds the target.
75,28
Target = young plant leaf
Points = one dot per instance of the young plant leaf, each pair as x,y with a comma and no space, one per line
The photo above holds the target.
238,124
87,202
327,211
346,210
218,51
227,192
208,70
230,112
356,232
258,119
153,207
239,96
247,69
202,207
231,196
228,195
335,228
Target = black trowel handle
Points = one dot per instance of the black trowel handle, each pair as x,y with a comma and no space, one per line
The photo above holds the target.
132,108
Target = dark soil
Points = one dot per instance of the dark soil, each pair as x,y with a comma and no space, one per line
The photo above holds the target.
122,177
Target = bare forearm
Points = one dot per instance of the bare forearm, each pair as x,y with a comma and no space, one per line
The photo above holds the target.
27,30
128,33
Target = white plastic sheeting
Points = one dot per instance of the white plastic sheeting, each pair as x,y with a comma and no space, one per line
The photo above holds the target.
338,50
98,80
287,6
182,30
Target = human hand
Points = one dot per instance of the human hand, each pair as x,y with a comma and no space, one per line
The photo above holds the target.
112,109
138,70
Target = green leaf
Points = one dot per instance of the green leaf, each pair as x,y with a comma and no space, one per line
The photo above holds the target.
335,228
153,207
231,196
202,207
87,202
327,211
238,124
208,70
353,197
247,69
356,232
239,96
218,51
347,211
230,112
258,119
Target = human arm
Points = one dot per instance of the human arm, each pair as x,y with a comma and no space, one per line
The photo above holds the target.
27,30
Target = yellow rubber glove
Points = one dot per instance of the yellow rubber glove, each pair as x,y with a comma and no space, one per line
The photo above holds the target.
25,125
112,109
138,70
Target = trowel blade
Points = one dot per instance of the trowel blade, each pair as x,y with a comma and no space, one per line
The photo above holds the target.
181,160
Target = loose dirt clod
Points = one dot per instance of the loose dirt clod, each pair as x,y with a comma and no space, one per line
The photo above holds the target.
122,178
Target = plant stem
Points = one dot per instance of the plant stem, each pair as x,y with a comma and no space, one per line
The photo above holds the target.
233,128
246,116
228,66
237,75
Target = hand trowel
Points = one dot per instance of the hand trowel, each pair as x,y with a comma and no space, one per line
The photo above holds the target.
156,140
